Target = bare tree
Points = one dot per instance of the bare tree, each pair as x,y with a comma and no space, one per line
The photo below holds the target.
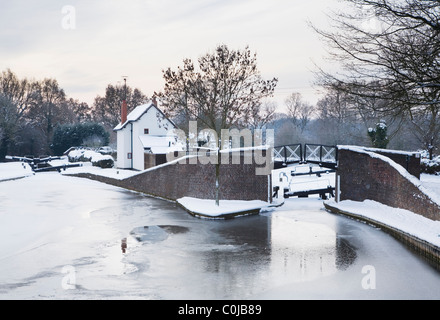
21,92
299,111
77,111
222,94
30,110
17,97
46,114
261,115
8,124
107,109
396,61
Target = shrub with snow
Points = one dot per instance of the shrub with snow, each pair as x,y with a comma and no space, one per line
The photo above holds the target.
81,155
378,135
102,161
87,155
430,166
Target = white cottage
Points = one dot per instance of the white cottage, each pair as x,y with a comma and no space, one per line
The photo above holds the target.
143,134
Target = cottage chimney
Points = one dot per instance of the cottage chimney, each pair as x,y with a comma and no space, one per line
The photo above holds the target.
154,100
124,112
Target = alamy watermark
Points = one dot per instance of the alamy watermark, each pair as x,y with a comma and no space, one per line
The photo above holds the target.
235,146
69,280
68,21
369,280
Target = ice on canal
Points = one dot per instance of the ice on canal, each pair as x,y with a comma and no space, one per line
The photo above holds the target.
72,238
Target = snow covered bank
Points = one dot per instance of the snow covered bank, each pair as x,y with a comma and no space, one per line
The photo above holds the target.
116,173
420,234
113,173
14,170
404,220
226,209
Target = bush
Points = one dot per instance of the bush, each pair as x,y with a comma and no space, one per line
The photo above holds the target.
430,166
78,134
87,155
378,135
81,155
105,162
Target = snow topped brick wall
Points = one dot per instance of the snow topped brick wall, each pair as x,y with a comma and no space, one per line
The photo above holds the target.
365,174
174,181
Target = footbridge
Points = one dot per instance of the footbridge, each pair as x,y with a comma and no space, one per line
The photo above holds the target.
323,155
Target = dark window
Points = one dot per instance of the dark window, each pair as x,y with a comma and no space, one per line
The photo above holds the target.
146,131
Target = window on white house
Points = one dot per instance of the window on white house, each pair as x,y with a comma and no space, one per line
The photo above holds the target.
146,131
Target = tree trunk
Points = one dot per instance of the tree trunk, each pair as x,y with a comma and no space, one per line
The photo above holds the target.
217,179
431,149
4,143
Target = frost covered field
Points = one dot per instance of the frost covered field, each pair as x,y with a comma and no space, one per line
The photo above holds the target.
70,238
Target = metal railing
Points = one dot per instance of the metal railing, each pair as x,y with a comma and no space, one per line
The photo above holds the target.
311,153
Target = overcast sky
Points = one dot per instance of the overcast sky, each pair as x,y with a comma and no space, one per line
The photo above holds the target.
100,41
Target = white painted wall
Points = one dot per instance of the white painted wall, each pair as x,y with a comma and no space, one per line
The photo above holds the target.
149,120
123,147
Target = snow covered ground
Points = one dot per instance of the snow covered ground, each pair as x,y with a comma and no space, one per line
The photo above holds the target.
404,220
14,170
207,208
87,167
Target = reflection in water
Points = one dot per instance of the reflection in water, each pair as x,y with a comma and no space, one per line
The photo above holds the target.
302,250
237,257
305,250
152,234
252,250
124,245
345,254
174,229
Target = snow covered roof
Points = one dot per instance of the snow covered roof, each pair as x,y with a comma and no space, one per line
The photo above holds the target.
159,144
137,113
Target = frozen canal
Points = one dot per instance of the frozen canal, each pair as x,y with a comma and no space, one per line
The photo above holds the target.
71,238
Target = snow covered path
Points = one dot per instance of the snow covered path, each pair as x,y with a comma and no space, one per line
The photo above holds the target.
403,220
431,182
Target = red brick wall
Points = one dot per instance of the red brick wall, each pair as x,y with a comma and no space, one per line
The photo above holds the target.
364,177
237,182
410,162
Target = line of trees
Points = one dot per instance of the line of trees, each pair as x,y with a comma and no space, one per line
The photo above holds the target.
389,53
34,113
386,92
338,119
